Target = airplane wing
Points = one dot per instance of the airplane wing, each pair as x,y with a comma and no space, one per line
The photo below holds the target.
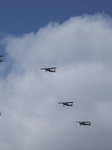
48,68
52,68
65,102
69,102
82,122
60,103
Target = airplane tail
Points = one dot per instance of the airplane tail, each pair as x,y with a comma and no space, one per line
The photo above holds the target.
77,121
1,60
54,70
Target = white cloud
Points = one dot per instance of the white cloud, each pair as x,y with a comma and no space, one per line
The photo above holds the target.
31,118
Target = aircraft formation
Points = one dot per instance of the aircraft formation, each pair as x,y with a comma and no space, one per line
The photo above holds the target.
84,123
70,103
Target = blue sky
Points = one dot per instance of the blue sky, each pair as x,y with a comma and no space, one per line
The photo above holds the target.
74,36
23,16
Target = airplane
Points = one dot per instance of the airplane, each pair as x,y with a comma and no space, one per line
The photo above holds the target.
66,103
53,69
1,59
84,123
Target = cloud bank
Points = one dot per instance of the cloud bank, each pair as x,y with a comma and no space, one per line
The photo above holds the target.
81,49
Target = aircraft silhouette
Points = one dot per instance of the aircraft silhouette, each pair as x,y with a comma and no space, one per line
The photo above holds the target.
52,69
1,59
66,103
84,123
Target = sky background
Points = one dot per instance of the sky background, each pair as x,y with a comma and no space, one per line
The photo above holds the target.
74,36
24,16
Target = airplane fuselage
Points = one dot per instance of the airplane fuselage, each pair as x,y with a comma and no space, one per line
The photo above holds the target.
66,104
85,124
50,70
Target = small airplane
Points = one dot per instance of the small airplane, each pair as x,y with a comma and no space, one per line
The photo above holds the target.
66,103
53,69
84,123
1,59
